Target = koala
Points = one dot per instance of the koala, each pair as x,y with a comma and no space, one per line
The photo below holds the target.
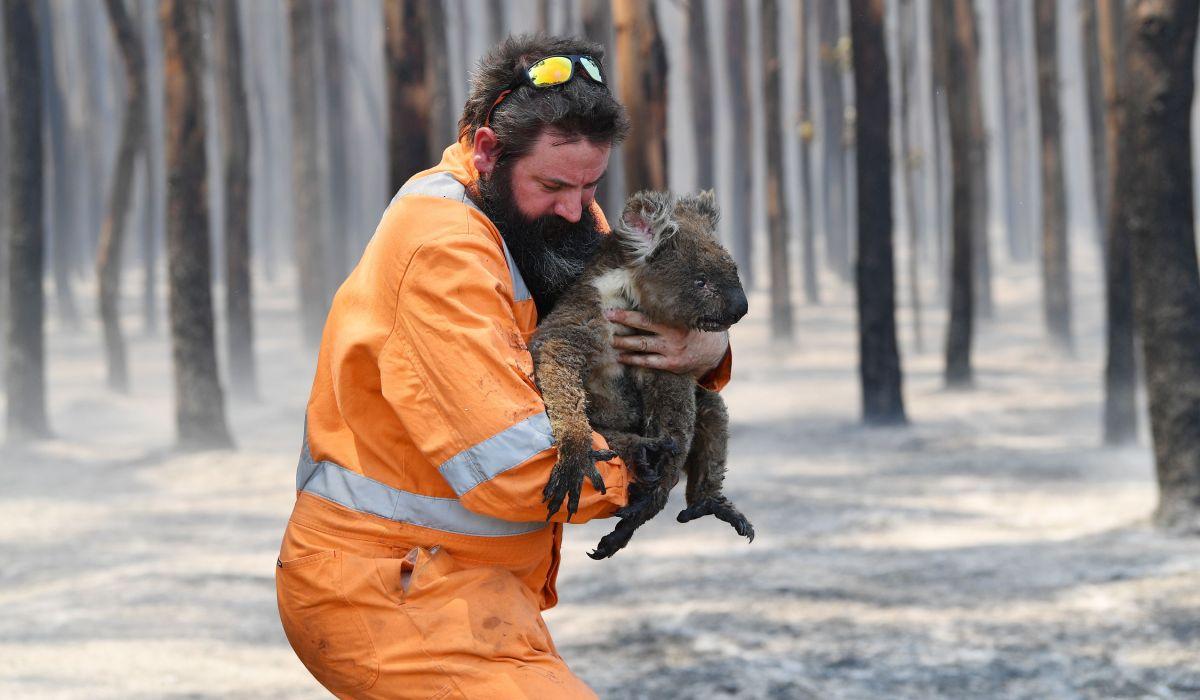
663,259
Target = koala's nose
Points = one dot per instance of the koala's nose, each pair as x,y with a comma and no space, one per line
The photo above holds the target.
736,303
569,208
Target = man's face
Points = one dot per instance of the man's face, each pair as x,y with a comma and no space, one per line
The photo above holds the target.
540,204
558,178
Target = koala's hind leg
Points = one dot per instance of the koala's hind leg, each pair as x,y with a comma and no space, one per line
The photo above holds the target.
705,466
670,417
647,457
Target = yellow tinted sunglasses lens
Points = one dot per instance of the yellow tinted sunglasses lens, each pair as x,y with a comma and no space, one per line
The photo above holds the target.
592,69
555,70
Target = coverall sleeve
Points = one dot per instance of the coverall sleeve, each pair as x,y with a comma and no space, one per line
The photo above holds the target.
718,376
456,368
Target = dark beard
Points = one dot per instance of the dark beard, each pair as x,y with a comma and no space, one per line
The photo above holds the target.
550,251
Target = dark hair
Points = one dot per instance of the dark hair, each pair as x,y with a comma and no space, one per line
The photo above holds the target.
578,109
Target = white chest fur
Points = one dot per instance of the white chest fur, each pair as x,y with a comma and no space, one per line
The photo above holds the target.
616,292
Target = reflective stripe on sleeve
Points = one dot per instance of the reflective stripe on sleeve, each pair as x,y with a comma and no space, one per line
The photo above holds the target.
445,186
365,495
497,454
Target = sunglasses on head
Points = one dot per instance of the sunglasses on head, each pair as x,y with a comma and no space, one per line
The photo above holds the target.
548,72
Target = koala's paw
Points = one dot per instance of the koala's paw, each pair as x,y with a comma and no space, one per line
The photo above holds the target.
566,479
652,458
722,509
611,543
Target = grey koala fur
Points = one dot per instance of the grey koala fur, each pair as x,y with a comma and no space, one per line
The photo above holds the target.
664,260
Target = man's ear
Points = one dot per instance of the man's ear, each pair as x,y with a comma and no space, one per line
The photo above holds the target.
486,150
645,223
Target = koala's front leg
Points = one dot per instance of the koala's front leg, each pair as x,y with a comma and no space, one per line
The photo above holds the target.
705,466
559,370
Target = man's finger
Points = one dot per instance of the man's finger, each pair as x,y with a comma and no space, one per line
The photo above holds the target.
650,360
633,319
639,343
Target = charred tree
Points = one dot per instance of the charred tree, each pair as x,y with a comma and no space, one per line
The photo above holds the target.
1159,84
642,62
408,94
199,404
700,80
960,329
1120,367
812,285
879,357
152,168
235,154
596,16
25,358
336,143
834,196
1056,281
112,235
739,222
309,246
777,215
909,162
980,250
443,122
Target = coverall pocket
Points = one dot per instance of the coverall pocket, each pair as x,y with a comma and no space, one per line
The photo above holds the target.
467,611
324,628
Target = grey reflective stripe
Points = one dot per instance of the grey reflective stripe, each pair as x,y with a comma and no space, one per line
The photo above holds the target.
497,454
445,186
365,495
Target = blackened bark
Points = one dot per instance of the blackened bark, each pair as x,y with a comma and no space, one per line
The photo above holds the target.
1056,281
812,285
337,143
980,250
939,110
1120,368
596,16
642,62
879,357
310,248
408,95
700,80
25,358
235,127
777,215
199,404
1159,84
442,120
960,330
112,235
738,222
833,139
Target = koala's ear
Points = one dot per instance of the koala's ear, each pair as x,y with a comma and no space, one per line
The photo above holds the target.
645,223
706,204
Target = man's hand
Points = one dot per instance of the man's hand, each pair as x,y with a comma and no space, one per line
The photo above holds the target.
674,349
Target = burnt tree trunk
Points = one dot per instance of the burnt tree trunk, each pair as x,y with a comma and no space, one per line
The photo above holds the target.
812,284
442,120
740,221
408,95
112,235
879,357
1159,84
199,404
642,62
235,127
1056,281
908,161
981,259
700,80
596,16
960,329
939,111
1120,367
309,246
337,143
25,358
833,139
777,215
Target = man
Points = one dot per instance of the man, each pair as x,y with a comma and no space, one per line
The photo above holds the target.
418,558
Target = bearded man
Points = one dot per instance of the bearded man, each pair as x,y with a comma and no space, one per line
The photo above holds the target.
418,557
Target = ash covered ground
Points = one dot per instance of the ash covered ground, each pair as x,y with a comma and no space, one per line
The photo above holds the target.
990,550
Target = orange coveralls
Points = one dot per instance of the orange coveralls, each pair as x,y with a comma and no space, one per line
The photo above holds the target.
418,559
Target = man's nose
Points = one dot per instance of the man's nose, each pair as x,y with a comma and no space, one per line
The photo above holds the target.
569,207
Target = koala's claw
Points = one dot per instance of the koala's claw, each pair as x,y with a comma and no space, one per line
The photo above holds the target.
722,509
652,456
566,479
610,544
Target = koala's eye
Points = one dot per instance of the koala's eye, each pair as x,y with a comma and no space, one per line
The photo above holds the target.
700,282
